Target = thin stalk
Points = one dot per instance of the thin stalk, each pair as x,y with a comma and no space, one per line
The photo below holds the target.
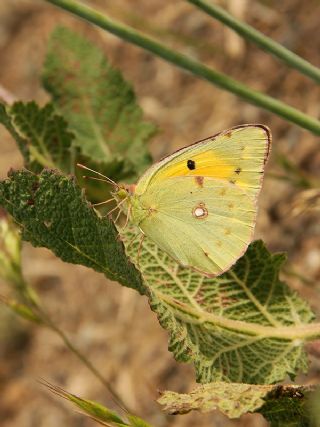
31,300
261,40
219,79
50,324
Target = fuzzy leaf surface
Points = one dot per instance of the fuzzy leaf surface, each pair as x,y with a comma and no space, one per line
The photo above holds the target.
53,213
41,135
281,405
243,326
99,105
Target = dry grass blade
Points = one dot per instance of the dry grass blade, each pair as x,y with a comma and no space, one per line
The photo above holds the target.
89,408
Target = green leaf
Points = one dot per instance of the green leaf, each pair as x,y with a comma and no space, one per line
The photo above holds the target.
281,405
243,326
52,212
314,408
41,135
289,406
97,411
6,120
99,105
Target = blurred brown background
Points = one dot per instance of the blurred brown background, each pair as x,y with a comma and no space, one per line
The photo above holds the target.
112,325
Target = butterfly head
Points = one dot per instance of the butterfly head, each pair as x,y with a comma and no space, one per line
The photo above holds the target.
123,191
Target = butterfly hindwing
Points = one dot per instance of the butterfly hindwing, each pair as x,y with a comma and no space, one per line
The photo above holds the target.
209,242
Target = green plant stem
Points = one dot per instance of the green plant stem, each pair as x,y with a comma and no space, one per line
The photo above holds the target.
195,67
255,36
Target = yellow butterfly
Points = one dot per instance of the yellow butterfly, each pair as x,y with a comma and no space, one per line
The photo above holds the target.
199,204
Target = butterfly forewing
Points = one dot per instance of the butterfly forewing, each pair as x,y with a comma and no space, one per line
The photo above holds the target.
237,155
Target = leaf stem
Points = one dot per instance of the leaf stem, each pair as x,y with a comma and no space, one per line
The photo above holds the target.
262,41
219,79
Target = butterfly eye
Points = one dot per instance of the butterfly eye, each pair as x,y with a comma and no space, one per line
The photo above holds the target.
122,193
191,164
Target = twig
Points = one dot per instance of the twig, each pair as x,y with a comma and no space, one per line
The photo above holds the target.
219,79
255,36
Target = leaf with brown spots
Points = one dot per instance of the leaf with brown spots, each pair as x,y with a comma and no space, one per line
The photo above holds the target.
234,400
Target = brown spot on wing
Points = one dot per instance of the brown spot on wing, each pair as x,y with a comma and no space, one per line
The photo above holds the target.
228,134
232,181
223,192
227,231
199,180
238,170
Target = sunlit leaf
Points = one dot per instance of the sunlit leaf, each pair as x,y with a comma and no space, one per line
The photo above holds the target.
243,326
41,134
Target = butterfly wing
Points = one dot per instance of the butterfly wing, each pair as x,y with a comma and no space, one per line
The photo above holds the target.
237,155
206,225
220,177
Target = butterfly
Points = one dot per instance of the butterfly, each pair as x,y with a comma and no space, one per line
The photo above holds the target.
199,204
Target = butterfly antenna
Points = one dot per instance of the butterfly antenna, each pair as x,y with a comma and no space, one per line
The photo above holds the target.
96,179
98,173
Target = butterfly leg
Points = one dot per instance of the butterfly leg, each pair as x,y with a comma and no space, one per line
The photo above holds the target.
117,207
103,203
127,218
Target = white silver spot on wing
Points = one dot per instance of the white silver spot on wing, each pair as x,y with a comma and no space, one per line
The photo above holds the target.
200,211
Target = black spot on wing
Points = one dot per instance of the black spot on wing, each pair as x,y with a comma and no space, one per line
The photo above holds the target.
191,164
